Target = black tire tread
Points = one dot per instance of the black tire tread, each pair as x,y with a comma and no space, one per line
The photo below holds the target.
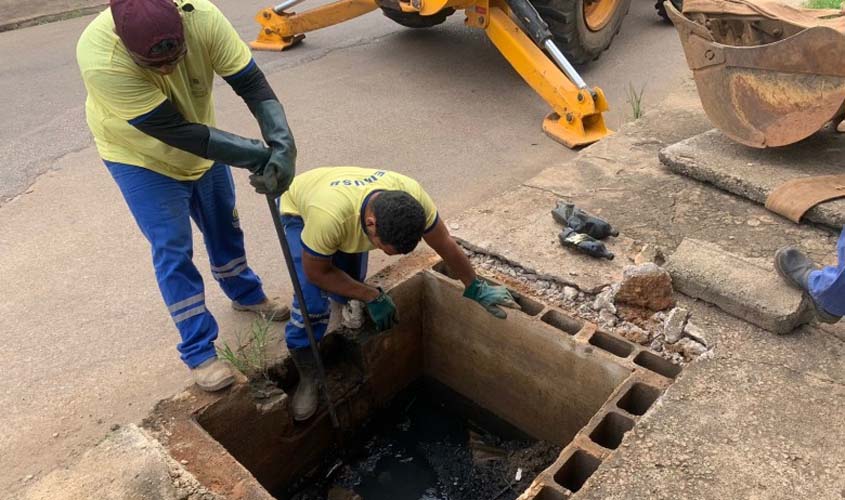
560,15
414,20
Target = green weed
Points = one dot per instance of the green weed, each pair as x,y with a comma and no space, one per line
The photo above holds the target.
250,353
635,101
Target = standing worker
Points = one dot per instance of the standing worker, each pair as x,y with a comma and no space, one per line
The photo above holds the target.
148,67
332,217
825,287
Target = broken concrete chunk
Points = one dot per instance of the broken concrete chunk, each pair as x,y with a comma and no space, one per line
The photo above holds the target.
646,285
688,348
692,331
673,327
736,285
607,318
649,253
604,301
570,293
634,333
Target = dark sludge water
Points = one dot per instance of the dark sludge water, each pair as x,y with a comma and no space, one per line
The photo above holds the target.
429,444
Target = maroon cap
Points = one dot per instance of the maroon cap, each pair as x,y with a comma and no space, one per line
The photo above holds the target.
143,25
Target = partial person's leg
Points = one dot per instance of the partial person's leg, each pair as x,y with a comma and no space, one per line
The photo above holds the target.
304,403
214,210
160,206
827,285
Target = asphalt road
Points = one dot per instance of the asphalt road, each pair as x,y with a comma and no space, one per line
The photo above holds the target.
85,340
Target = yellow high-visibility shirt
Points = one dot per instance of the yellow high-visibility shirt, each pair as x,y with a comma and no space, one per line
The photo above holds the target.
119,90
330,199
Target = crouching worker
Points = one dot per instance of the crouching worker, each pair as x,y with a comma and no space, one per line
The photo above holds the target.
148,67
332,217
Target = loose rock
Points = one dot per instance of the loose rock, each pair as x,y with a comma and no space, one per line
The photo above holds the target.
673,328
604,301
607,318
570,293
649,253
688,348
694,332
646,285
634,333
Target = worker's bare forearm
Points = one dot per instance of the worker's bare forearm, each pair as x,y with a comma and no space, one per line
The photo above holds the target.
333,280
446,247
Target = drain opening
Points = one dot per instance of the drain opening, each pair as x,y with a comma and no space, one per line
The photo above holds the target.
611,429
657,364
529,376
562,322
638,399
611,344
577,470
429,443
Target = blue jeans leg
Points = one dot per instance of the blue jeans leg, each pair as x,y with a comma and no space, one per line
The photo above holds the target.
316,301
827,286
161,208
213,210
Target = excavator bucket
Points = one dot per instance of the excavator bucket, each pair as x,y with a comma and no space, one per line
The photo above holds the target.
767,74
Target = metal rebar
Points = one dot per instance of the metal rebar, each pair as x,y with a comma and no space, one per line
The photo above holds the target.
306,319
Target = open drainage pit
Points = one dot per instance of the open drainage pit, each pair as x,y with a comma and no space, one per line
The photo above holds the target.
448,404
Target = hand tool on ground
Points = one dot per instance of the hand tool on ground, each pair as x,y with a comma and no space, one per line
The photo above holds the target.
303,307
584,243
582,222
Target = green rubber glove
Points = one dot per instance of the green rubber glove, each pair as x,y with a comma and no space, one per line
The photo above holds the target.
382,311
276,175
491,297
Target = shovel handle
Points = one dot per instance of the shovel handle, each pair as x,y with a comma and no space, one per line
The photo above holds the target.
303,307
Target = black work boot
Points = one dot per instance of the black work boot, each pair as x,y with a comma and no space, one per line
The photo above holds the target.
795,268
305,399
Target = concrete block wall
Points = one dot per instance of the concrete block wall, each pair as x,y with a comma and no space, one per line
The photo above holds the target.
649,375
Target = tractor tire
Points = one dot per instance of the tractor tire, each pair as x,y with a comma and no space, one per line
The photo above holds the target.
661,10
415,20
578,32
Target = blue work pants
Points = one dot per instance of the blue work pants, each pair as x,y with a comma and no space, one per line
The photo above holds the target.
827,286
163,208
316,300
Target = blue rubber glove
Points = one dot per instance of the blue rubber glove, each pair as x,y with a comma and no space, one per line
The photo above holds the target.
491,297
382,311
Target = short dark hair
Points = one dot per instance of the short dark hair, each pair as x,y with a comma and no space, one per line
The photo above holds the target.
400,220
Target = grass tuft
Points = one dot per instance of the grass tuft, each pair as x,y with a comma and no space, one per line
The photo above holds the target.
250,353
635,101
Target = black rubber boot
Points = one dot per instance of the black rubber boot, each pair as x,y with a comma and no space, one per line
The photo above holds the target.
795,268
306,397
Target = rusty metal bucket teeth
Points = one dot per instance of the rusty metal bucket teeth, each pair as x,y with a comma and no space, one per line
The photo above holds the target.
766,95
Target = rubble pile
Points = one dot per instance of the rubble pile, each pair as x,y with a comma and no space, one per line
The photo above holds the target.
639,308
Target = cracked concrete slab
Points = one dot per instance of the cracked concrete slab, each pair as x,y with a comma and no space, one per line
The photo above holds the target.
127,464
737,285
518,226
753,173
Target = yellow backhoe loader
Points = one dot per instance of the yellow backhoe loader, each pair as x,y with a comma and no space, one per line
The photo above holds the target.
541,39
